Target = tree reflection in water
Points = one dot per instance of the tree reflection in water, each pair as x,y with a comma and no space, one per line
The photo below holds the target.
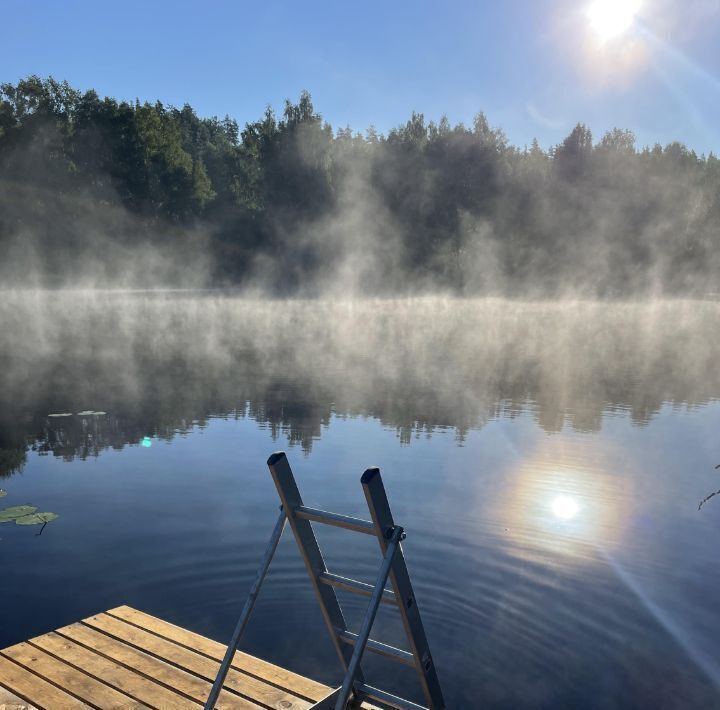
162,364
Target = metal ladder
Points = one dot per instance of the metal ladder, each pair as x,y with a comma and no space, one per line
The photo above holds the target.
349,646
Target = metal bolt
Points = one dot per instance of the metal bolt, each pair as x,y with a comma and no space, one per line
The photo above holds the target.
427,661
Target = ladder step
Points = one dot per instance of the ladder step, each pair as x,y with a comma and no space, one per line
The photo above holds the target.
367,691
339,521
395,654
352,585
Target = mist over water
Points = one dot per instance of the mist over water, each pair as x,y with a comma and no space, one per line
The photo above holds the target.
96,192
415,363
546,458
522,337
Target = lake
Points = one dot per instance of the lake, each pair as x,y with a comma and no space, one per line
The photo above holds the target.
546,459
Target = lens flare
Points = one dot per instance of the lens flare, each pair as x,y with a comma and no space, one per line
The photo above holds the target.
565,507
610,18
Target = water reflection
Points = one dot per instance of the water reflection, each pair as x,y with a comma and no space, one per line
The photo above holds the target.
161,364
568,497
546,460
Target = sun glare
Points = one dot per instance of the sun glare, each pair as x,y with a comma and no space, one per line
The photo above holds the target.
610,18
565,507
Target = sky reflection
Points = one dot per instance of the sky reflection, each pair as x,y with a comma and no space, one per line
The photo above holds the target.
485,427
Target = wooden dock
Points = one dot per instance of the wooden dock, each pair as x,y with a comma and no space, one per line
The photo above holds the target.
125,658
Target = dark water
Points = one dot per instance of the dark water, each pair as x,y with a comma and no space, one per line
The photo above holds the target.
547,461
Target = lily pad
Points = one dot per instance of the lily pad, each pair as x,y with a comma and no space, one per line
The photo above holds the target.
15,511
36,518
3,492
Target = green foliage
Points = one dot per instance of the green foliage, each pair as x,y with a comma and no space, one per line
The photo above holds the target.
24,514
36,519
15,511
456,208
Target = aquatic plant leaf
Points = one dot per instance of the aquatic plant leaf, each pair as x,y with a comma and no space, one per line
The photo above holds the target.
3,492
36,518
15,511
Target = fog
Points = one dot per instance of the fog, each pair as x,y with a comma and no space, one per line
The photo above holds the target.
160,363
163,268
180,527
160,270
106,194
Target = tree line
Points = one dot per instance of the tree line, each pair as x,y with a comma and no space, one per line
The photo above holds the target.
290,205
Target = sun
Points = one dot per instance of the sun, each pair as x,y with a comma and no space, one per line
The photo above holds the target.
565,507
611,18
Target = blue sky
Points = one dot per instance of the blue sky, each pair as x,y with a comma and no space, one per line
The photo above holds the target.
535,67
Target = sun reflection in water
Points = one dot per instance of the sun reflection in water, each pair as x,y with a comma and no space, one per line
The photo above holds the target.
566,514
566,499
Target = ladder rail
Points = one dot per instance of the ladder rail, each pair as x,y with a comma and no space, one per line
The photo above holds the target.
373,606
339,521
247,610
352,585
310,552
367,692
402,586
350,647
394,654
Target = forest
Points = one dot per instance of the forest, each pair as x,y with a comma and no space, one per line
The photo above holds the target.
100,192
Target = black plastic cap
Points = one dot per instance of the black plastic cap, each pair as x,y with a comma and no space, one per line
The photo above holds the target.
369,475
274,458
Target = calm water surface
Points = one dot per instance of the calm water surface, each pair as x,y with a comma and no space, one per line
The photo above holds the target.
547,461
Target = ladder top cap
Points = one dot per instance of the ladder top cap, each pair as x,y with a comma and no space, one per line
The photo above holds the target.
274,458
369,474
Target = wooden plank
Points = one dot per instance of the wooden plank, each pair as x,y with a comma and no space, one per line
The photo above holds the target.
243,684
150,666
91,691
41,693
129,659
297,684
110,673
10,701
